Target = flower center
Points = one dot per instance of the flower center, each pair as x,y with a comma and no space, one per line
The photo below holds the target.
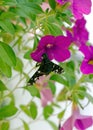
49,45
90,62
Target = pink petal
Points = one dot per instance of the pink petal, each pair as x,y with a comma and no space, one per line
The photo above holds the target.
37,55
81,7
45,40
45,6
68,125
63,42
50,53
86,68
87,51
83,122
61,55
46,96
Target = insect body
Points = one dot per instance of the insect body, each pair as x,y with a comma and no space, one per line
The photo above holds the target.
46,67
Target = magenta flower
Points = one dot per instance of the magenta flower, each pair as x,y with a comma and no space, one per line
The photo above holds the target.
55,47
81,122
78,7
79,34
45,92
87,64
61,1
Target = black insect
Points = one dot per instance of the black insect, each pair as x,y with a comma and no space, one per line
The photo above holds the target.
46,67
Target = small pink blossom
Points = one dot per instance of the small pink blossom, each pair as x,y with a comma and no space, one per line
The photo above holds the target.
45,92
81,122
46,96
45,6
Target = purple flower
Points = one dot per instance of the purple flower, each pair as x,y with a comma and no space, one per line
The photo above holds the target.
87,64
78,7
79,34
61,1
81,122
45,92
55,47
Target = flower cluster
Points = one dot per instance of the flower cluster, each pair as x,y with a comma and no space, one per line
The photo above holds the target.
58,48
53,33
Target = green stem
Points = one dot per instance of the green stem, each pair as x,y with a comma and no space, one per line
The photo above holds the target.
79,82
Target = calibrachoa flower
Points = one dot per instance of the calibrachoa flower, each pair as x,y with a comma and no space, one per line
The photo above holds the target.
79,34
87,64
81,122
45,92
55,47
78,7
61,1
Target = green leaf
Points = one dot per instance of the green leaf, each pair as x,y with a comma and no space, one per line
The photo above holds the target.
7,111
71,65
62,95
2,86
26,126
22,1
61,114
47,111
36,1
7,37
52,124
91,76
30,8
33,110
90,98
5,69
52,87
7,54
66,18
19,65
64,7
27,54
4,126
81,90
54,29
58,78
36,40
8,15
71,80
10,2
7,26
75,98
25,110
33,91
52,3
